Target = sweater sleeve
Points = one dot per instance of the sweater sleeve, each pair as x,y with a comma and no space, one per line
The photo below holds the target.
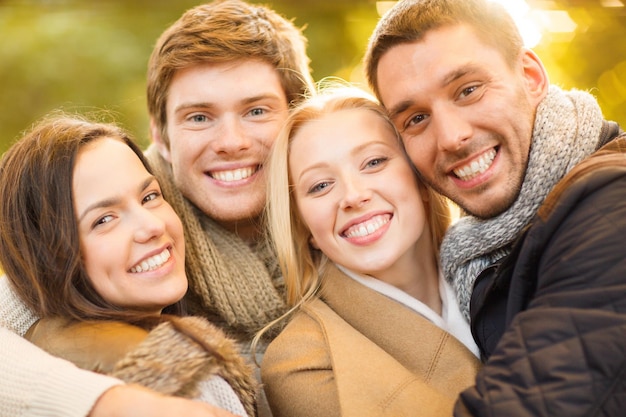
34,383
14,314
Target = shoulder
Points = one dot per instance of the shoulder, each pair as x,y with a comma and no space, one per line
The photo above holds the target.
91,345
600,177
304,332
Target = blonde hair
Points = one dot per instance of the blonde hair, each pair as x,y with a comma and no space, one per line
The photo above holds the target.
299,262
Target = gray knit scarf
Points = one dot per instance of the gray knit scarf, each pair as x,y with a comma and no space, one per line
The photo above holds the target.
237,287
567,129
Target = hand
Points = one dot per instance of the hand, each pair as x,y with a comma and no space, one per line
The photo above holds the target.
135,400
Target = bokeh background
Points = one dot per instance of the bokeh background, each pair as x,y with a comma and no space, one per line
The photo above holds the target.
90,56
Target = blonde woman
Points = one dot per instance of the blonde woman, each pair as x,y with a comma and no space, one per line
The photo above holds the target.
376,329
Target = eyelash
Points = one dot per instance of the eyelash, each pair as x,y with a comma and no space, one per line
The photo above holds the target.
151,196
156,195
372,163
198,118
316,188
101,221
257,111
378,161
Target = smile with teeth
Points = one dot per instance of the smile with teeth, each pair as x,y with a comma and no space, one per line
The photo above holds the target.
235,174
152,262
368,227
476,167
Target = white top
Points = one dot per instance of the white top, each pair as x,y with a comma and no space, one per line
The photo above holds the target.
450,319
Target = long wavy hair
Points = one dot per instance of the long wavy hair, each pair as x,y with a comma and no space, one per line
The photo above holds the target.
39,240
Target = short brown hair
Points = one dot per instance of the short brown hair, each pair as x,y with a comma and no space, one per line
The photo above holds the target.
410,20
224,31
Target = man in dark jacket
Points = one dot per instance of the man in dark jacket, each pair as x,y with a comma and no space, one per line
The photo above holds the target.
538,262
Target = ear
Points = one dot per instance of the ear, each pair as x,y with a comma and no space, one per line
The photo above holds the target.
536,76
313,243
162,147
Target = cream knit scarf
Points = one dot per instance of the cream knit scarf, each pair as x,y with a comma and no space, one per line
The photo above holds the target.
237,287
567,129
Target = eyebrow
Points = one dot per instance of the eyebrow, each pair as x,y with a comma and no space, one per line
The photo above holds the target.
108,202
355,150
208,105
445,81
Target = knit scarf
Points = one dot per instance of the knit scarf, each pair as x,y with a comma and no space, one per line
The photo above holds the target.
567,130
236,286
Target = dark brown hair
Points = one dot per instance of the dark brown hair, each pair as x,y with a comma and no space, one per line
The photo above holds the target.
410,20
39,240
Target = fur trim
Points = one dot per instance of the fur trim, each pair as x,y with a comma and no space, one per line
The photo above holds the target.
183,351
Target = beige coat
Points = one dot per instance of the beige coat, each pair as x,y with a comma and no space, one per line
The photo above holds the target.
355,352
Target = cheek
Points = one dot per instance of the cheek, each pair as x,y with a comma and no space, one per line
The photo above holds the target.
96,272
174,226
105,255
268,136
419,153
87,250
317,219
188,145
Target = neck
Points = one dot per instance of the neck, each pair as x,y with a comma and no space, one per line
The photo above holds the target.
417,276
247,230
423,285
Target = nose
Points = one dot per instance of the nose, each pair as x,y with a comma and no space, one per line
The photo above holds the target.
453,129
356,193
148,225
231,136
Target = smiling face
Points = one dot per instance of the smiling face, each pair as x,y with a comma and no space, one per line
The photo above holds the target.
358,195
465,114
131,239
222,120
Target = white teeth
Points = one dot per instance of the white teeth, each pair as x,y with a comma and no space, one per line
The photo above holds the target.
152,263
234,175
368,227
476,167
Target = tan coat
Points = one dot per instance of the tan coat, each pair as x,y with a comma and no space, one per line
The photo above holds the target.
355,352
172,358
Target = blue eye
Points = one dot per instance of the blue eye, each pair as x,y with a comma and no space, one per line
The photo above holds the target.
257,111
320,186
376,162
199,118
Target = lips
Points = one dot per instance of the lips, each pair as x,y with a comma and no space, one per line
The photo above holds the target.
476,166
152,262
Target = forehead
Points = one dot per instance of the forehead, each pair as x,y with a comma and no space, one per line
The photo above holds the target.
235,80
341,131
105,164
431,62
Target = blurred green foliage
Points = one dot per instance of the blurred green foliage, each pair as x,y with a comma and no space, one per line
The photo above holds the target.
90,56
